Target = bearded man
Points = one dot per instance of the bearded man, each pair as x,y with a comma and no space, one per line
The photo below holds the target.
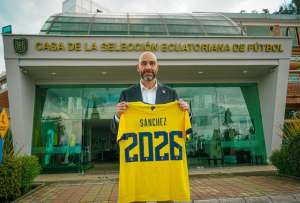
148,90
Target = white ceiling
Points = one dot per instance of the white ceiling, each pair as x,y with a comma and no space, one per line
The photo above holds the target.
173,74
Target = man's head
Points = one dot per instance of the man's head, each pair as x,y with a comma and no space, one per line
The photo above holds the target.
147,66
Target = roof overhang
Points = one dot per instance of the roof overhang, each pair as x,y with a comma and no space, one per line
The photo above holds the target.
113,59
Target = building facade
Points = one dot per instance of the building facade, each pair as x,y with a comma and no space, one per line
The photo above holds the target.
63,88
278,25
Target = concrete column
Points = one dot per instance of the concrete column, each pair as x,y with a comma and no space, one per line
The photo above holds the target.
21,95
272,94
280,103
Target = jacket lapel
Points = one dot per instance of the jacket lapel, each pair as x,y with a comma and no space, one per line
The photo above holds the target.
160,94
138,93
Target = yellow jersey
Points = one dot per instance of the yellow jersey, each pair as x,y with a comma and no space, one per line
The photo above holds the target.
153,164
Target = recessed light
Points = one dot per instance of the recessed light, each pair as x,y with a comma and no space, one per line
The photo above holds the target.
200,72
53,73
245,71
103,72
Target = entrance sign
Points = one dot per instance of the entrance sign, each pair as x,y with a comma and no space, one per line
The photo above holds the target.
21,45
77,46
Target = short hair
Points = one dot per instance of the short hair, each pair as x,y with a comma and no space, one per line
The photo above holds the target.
146,52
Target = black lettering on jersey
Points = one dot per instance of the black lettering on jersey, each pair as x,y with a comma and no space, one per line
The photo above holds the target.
153,152
152,122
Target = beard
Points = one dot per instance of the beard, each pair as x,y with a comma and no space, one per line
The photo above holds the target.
148,76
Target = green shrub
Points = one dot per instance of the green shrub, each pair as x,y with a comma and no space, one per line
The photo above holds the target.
30,168
279,159
17,175
293,150
10,179
287,159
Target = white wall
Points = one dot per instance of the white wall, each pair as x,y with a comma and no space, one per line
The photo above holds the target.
272,94
280,102
21,96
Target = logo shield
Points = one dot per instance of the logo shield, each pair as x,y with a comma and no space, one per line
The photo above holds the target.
21,45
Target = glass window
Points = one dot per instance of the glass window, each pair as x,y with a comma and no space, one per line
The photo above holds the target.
69,27
99,108
229,30
182,16
73,19
58,127
180,21
226,125
180,29
3,86
109,27
216,22
292,32
46,26
209,17
51,18
101,99
155,24
72,125
110,20
64,103
125,32
137,28
259,31
294,78
292,113
145,20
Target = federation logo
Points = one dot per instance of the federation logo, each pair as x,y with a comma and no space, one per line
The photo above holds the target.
21,46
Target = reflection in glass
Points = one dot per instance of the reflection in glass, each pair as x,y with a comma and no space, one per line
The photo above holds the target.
224,125
72,125
58,133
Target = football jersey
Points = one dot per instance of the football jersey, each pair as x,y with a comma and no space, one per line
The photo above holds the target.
153,164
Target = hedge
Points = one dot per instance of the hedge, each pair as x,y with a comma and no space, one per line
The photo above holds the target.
287,159
17,175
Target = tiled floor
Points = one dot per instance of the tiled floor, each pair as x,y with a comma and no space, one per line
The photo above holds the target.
209,187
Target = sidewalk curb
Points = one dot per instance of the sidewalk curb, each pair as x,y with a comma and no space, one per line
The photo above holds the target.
292,198
40,185
115,177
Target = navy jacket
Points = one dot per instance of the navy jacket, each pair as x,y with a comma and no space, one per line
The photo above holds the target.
164,95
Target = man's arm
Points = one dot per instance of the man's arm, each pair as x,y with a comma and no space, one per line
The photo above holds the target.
184,105
120,107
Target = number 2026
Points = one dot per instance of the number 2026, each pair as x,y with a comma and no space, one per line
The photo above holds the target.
154,154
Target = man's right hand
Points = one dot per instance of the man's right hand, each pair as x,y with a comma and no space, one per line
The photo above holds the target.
121,108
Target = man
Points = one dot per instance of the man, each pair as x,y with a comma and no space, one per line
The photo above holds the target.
149,90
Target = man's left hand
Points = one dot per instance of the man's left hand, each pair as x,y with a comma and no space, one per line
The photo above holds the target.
183,105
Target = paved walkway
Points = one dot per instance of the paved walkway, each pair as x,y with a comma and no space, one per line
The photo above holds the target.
238,184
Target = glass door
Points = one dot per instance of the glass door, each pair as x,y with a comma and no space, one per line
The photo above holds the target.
227,126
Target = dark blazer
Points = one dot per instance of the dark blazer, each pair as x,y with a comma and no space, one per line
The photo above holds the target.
164,94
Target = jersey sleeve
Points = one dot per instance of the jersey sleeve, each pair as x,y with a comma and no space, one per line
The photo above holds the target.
187,125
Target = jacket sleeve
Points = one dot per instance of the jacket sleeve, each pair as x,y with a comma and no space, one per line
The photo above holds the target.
175,95
115,124
176,98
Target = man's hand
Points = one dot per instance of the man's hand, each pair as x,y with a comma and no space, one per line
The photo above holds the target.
121,108
183,105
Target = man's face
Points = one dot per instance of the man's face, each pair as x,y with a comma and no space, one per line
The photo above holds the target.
148,67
